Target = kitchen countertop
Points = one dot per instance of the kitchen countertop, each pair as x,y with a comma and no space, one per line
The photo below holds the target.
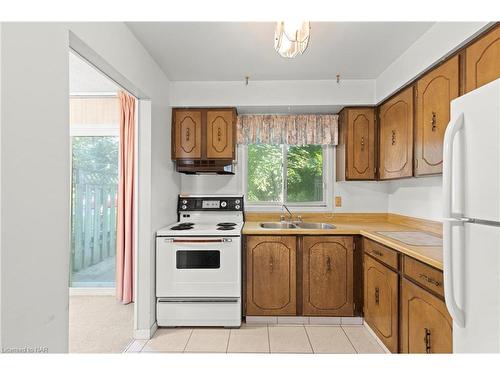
431,255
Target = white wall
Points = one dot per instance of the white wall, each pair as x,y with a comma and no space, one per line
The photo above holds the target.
272,93
35,178
419,197
435,44
35,171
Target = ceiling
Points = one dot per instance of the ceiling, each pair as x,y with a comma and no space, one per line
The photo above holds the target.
85,78
229,51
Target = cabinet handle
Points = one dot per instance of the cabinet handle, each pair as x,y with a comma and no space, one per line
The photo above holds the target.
377,295
378,253
219,134
430,280
434,122
328,264
362,143
271,264
427,340
393,137
188,134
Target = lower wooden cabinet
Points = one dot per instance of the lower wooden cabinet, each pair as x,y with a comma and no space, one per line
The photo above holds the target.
313,279
327,287
381,301
426,326
271,275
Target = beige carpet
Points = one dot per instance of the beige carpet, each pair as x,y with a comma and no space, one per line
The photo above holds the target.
99,324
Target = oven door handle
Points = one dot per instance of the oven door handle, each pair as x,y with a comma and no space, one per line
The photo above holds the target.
215,240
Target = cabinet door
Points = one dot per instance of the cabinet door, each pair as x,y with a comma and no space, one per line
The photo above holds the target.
361,144
425,323
187,134
381,302
396,136
435,91
328,276
483,60
271,275
220,134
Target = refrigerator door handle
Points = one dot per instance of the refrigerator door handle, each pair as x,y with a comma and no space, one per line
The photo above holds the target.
456,312
451,131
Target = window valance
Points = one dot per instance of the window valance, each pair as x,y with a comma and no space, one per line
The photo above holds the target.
288,129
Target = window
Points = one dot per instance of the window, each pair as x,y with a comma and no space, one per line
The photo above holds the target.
283,174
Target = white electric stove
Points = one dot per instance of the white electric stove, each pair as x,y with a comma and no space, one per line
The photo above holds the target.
198,263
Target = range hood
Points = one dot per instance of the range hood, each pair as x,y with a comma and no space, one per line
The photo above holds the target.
205,166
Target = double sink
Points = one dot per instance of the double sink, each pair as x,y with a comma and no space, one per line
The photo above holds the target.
295,225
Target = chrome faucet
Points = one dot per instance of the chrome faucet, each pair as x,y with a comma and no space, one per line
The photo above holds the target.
283,208
282,217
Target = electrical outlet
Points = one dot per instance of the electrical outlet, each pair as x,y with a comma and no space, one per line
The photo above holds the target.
338,201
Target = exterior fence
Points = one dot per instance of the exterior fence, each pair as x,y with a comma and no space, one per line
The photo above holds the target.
94,219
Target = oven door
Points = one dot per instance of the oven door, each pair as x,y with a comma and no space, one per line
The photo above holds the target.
198,267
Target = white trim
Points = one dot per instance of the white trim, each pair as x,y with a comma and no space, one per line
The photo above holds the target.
382,345
328,183
92,291
145,334
94,130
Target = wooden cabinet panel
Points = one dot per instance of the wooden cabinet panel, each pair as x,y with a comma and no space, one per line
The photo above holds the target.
482,63
327,276
381,253
381,301
356,149
434,93
426,326
187,134
396,136
424,275
220,134
271,275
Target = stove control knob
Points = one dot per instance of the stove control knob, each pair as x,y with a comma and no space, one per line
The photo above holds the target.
184,201
223,204
237,201
184,206
237,206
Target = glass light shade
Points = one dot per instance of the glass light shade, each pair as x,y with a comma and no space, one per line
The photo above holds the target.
291,38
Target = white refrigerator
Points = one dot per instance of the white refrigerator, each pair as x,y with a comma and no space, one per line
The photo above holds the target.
471,220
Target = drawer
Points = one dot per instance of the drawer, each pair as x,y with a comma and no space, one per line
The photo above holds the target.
382,253
424,275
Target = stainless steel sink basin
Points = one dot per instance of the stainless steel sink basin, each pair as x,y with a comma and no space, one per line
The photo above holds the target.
278,225
305,225
299,225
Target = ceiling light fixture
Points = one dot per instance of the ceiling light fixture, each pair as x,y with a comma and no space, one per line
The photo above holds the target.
291,38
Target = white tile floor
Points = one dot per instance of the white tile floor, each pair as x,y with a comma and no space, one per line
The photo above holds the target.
261,338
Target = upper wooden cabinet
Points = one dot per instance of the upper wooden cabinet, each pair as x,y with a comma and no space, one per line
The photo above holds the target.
425,322
327,275
271,275
220,134
186,135
356,149
434,93
482,62
203,133
381,301
396,136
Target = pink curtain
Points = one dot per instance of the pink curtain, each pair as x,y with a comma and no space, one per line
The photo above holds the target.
125,262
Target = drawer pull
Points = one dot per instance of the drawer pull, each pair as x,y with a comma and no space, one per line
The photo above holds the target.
427,340
271,264
377,296
430,280
378,253
328,264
